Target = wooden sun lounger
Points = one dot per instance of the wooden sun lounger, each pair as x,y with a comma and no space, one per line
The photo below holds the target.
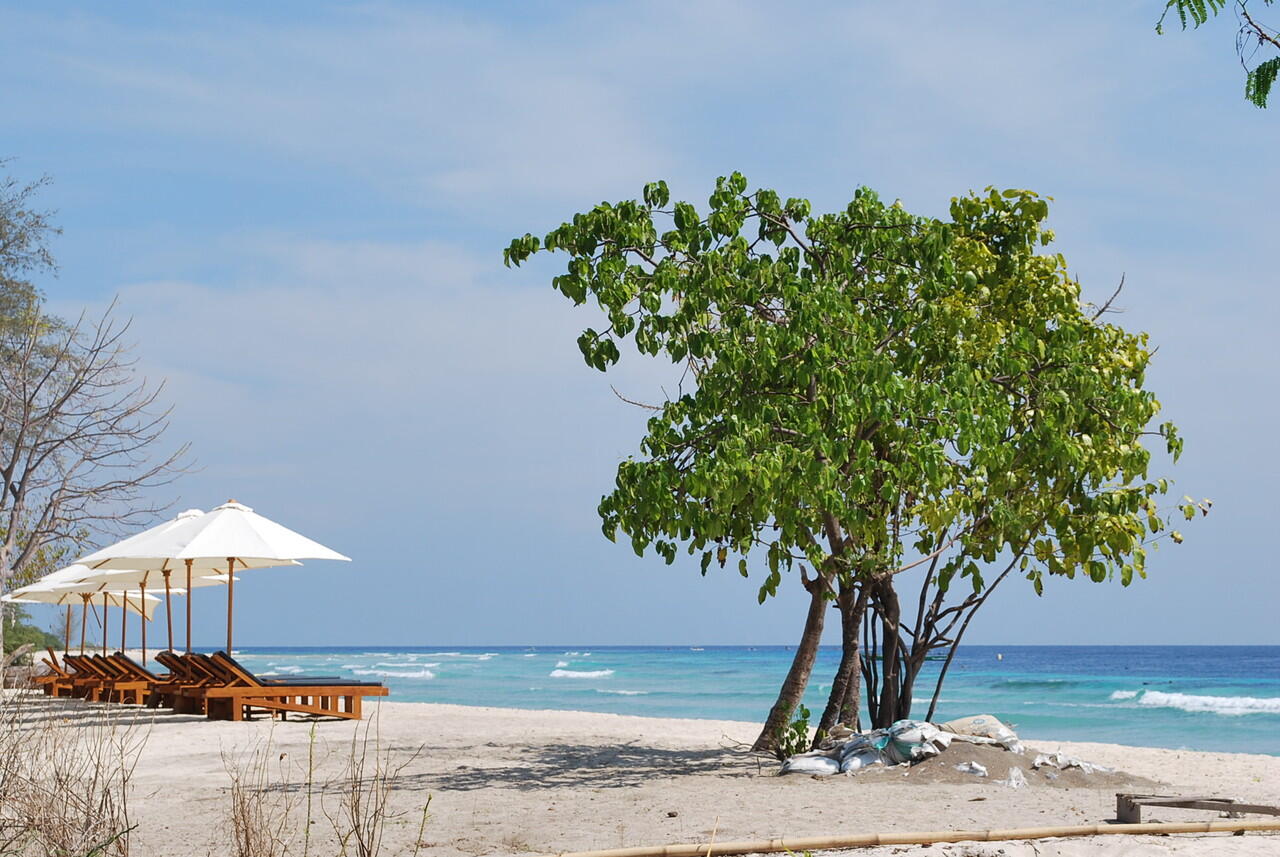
186,682
120,684
161,690
56,682
87,678
242,693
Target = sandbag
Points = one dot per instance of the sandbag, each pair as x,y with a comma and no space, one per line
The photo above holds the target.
863,757
913,740
985,726
814,763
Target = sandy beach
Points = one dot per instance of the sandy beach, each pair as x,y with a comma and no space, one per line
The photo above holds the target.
505,781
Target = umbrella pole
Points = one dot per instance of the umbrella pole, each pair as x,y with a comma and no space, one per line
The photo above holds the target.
66,633
104,623
168,609
84,612
124,618
231,597
142,605
189,606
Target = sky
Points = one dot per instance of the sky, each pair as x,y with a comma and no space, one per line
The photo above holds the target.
303,206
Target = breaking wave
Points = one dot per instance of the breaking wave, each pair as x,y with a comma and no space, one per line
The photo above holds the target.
581,673
1229,705
397,673
1124,694
623,692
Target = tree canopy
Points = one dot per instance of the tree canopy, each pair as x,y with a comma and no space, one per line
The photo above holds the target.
1254,38
867,390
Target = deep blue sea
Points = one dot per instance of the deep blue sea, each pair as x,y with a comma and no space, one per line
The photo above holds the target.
1198,697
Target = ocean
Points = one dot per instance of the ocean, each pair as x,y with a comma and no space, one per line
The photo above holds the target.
1224,698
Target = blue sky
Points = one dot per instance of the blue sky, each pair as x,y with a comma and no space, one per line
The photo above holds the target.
303,207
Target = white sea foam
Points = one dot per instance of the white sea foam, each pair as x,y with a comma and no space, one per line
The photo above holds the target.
1124,694
581,673
560,664
288,669
534,655
397,673
1229,705
352,666
404,664
623,692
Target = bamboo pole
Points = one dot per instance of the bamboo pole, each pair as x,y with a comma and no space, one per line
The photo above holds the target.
124,616
866,840
104,623
66,632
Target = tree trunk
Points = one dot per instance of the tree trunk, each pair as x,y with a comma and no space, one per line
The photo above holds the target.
793,686
890,685
845,702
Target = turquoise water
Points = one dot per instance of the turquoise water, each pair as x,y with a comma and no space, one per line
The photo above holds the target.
1199,697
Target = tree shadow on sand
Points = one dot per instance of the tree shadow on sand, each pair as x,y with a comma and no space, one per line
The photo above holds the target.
595,766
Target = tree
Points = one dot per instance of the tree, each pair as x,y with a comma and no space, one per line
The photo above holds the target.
79,429
1252,38
855,377
19,632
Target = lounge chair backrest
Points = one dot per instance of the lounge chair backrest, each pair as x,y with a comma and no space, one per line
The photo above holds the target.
175,664
232,666
202,665
109,667
132,667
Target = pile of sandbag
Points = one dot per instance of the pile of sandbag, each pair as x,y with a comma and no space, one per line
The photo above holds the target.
905,742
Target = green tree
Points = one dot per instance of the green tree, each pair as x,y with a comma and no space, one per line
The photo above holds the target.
1253,39
855,377
19,631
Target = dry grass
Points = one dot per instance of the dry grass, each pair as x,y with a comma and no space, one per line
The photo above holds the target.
262,803
64,783
269,813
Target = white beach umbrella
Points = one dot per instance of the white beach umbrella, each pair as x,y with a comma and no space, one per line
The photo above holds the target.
141,581
108,558
230,535
72,593
156,550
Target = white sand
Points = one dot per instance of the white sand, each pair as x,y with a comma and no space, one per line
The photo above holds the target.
509,782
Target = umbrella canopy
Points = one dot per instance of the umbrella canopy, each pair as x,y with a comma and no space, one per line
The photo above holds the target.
153,552
136,581
36,594
64,587
131,580
229,536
